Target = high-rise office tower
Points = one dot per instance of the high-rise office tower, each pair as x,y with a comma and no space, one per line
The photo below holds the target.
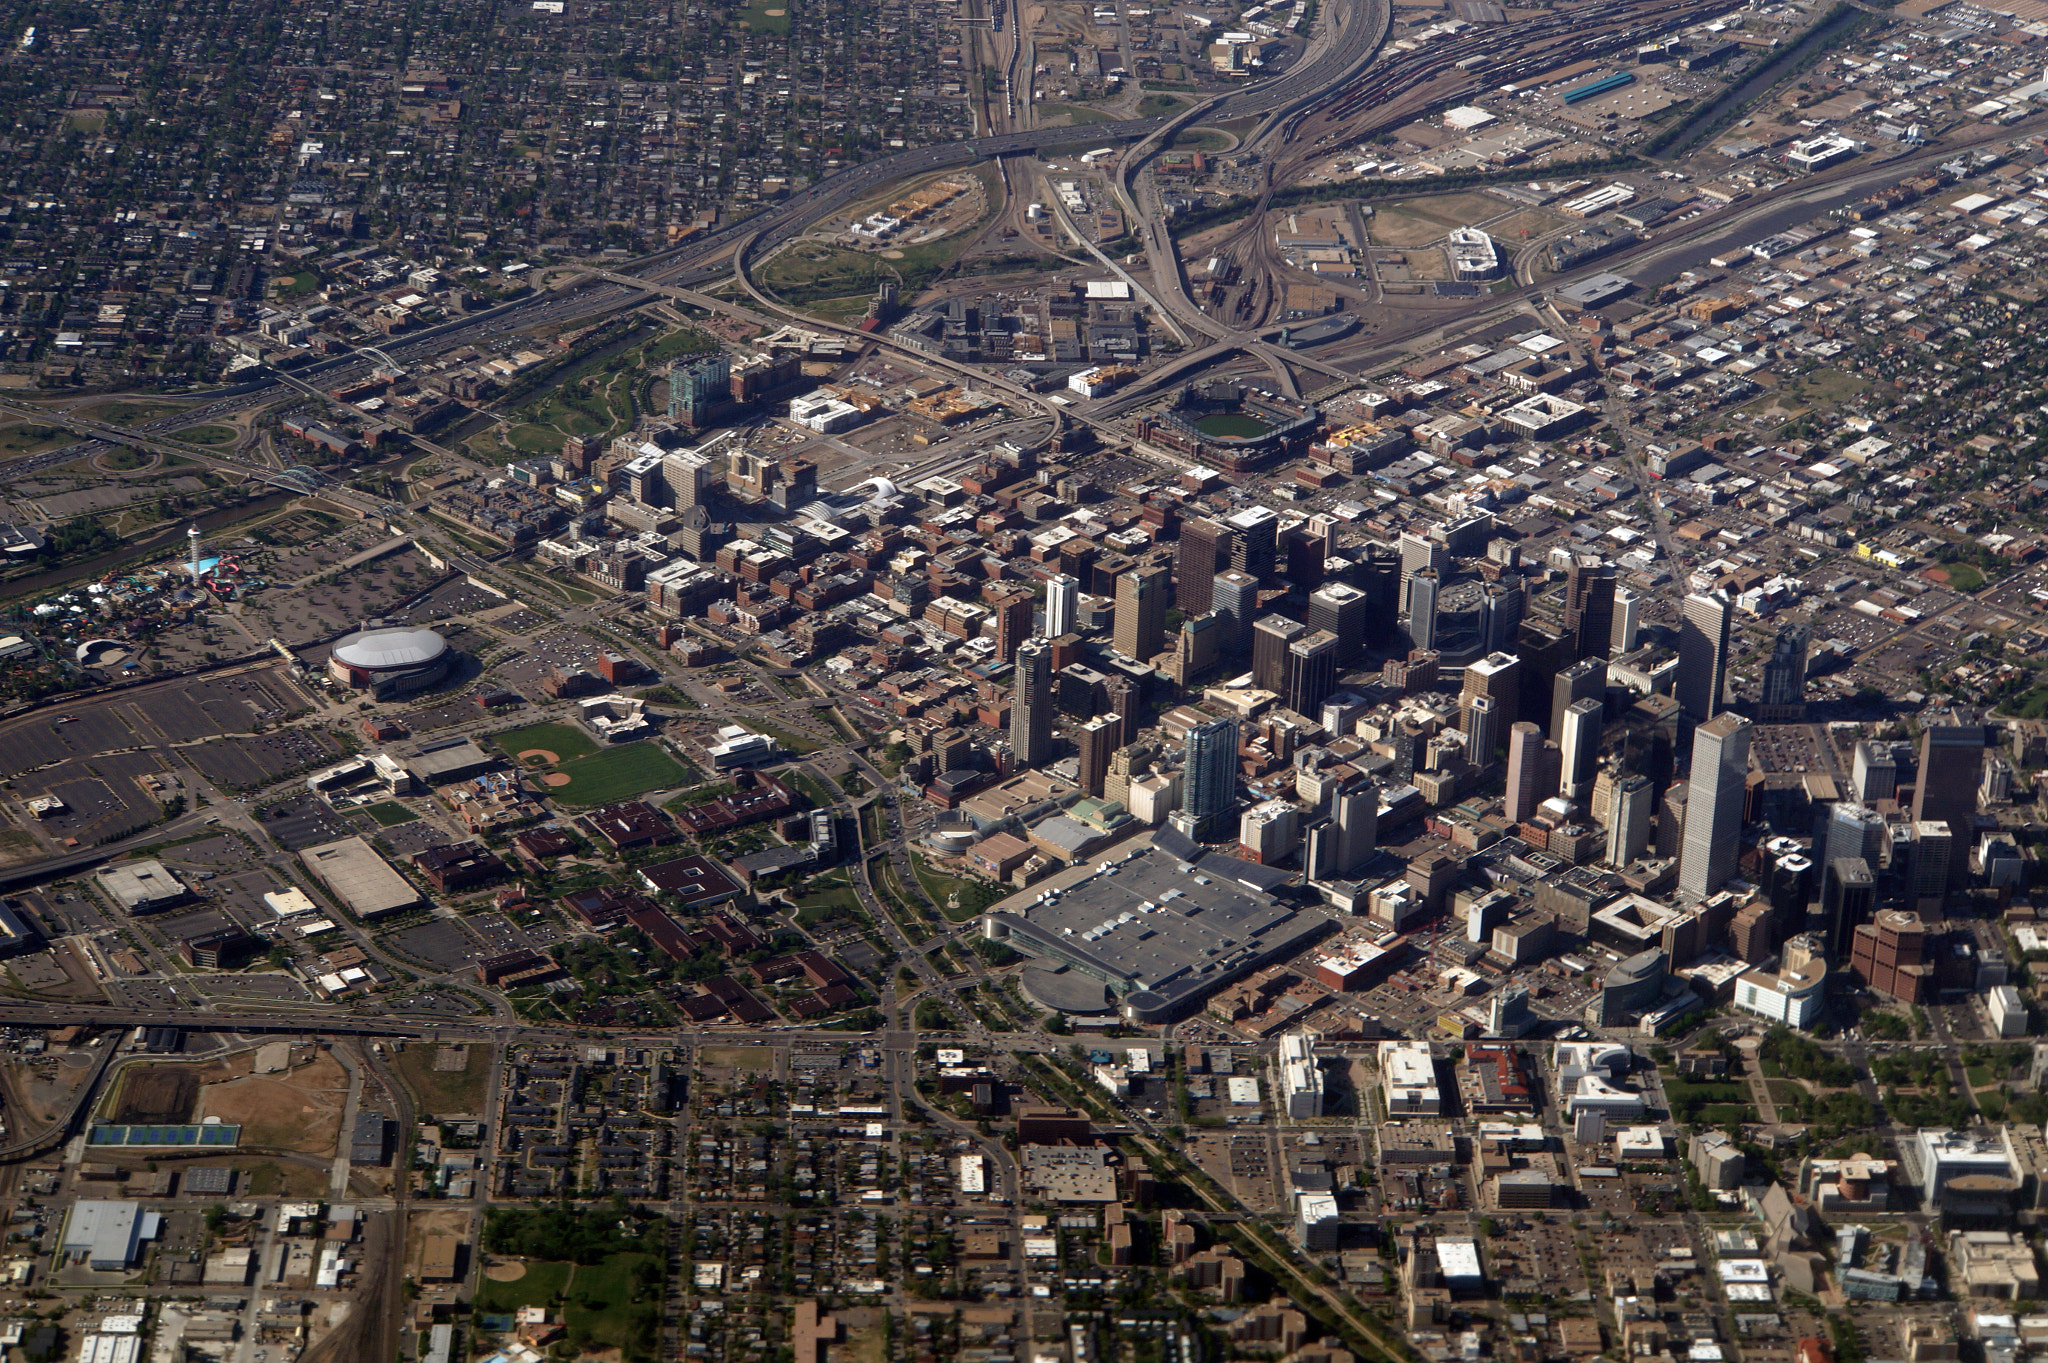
1581,745
1932,843
1482,729
1031,704
1628,824
1062,605
1255,533
1341,609
1419,606
1876,772
1703,654
1628,621
1498,675
1532,771
1589,607
1203,551
1235,597
1209,774
1713,807
1851,830
1951,766
685,473
1784,686
1583,680
1848,895
1419,552
1379,575
1270,637
1311,671
1099,739
1304,556
1013,623
1356,811
1141,601
1198,646
1124,700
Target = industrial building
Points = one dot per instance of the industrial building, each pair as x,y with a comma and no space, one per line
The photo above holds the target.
356,874
107,1236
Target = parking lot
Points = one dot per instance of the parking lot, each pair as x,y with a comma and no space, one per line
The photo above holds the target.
249,763
498,935
304,820
442,942
101,796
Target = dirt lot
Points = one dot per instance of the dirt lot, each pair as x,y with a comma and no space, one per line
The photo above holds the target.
298,1111
157,1094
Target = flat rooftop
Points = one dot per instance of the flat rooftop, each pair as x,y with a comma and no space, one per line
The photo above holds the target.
1147,920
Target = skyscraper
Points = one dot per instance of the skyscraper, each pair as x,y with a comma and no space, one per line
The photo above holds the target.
1379,573
1951,766
1419,606
1141,600
1209,775
1236,598
1532,771
1876,772
1356,811
1851,830
698,384
1589,607
1784,688
1203,551
1100,737
1713,807
1585,679
1628,823
1848,894
1341,609
1628,621
1031,704
1932,843
1581,744
1124,700
1013,623
1062,604
1255,533
1270,638
1498,675
1703,655
1482,729
1311,671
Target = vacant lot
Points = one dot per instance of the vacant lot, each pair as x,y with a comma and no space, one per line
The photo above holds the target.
299,1110
153,1094
446,1092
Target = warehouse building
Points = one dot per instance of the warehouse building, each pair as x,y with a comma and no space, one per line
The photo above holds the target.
107,1236
142,886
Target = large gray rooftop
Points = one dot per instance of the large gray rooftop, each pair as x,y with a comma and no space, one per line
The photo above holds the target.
1151,921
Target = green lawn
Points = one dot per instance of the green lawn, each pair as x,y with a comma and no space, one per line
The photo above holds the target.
1964,577
544,1279
390,813
765,16
617,774
208,435
602,1305
563,740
